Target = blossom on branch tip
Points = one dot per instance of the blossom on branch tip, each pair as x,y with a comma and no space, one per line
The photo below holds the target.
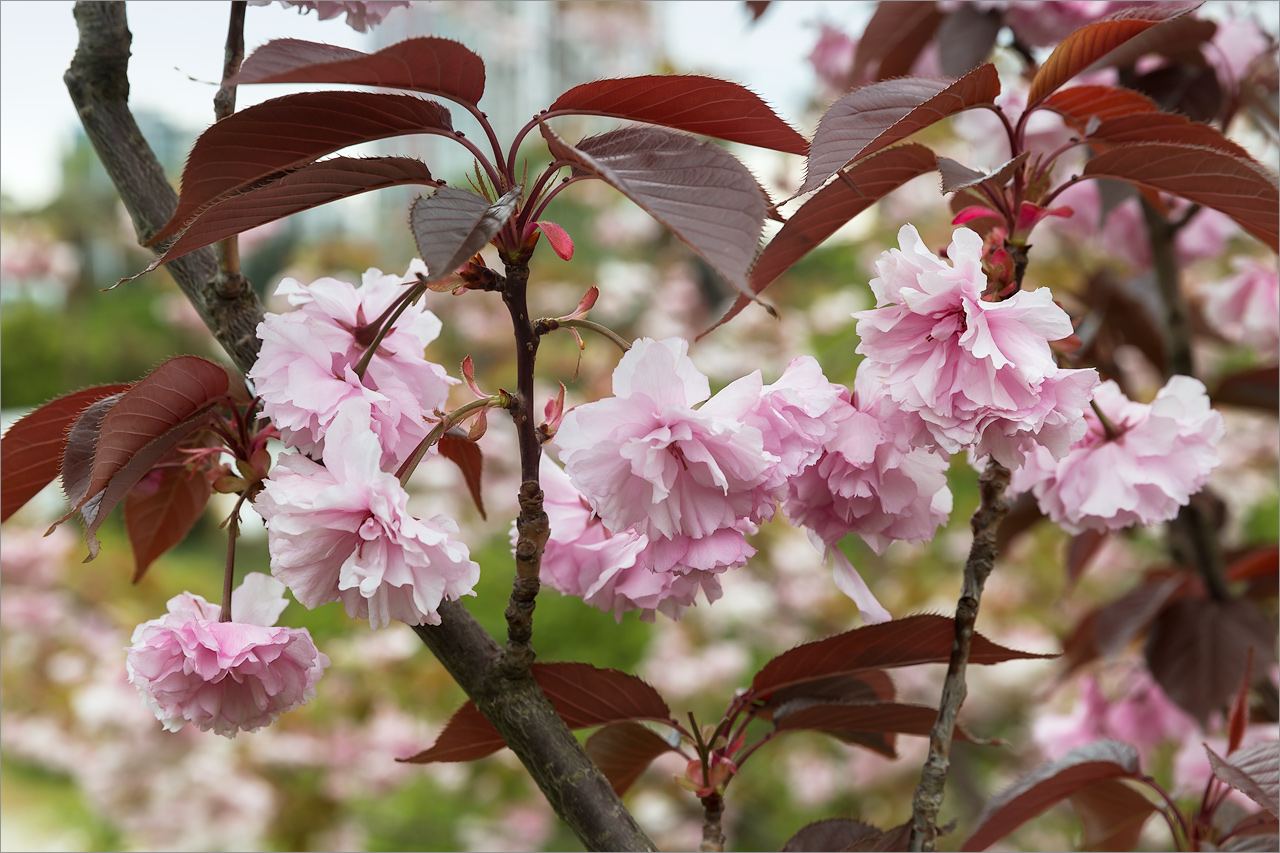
342,531
979,373
306,367
1154,459
224,676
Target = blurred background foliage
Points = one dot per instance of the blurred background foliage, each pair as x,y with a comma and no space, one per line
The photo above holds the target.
85,765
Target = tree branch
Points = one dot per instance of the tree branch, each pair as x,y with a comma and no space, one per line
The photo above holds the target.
98,83
982,556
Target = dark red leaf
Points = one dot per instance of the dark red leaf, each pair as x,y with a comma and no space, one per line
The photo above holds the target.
957,177
876,116
450,225
1165,127
1255,388
821,216
893,839
622,751
161,509
965,38
834,834
1180,39
880,717
583,695
161,400
434,65
1049,784
1079,104
269,139
81,443
1257,563
699,191
1113,815
1240,188
1196,650
1254,772
704,105
466,737
1128,617
1093,42
302,189
902,642
465,453
893,39
32,447
757,8
1083,547
867,687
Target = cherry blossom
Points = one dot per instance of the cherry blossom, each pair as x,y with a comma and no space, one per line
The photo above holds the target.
1245,307
979,373
224,676
342,531
305,370
647,459
361,14
1148,462
615,571
795,416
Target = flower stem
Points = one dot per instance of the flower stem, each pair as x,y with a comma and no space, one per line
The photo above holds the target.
501,400
229,574
1107,426
404,302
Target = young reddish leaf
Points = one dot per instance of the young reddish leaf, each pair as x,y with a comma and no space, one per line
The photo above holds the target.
837,833
1254,772
1240,188
893,39
1258,563
1080,104
1113,815
77,455
1049,784
1165,127
1255,388
1094,41
622,751
957,177
465,453
450,225
1180,39
310,186
821,216
161,509
1238,718
704,105
433,65
1084,546
561,242
902,642
583,695
699,191
1196,650
31,450
881,717
876,116
267,140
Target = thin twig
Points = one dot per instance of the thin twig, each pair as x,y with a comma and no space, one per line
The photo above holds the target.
982,555
229,279
712,824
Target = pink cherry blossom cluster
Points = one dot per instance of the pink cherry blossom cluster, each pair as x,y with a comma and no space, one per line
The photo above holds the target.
676,478
1245,306
1137,468
225,676
341,530
361,14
